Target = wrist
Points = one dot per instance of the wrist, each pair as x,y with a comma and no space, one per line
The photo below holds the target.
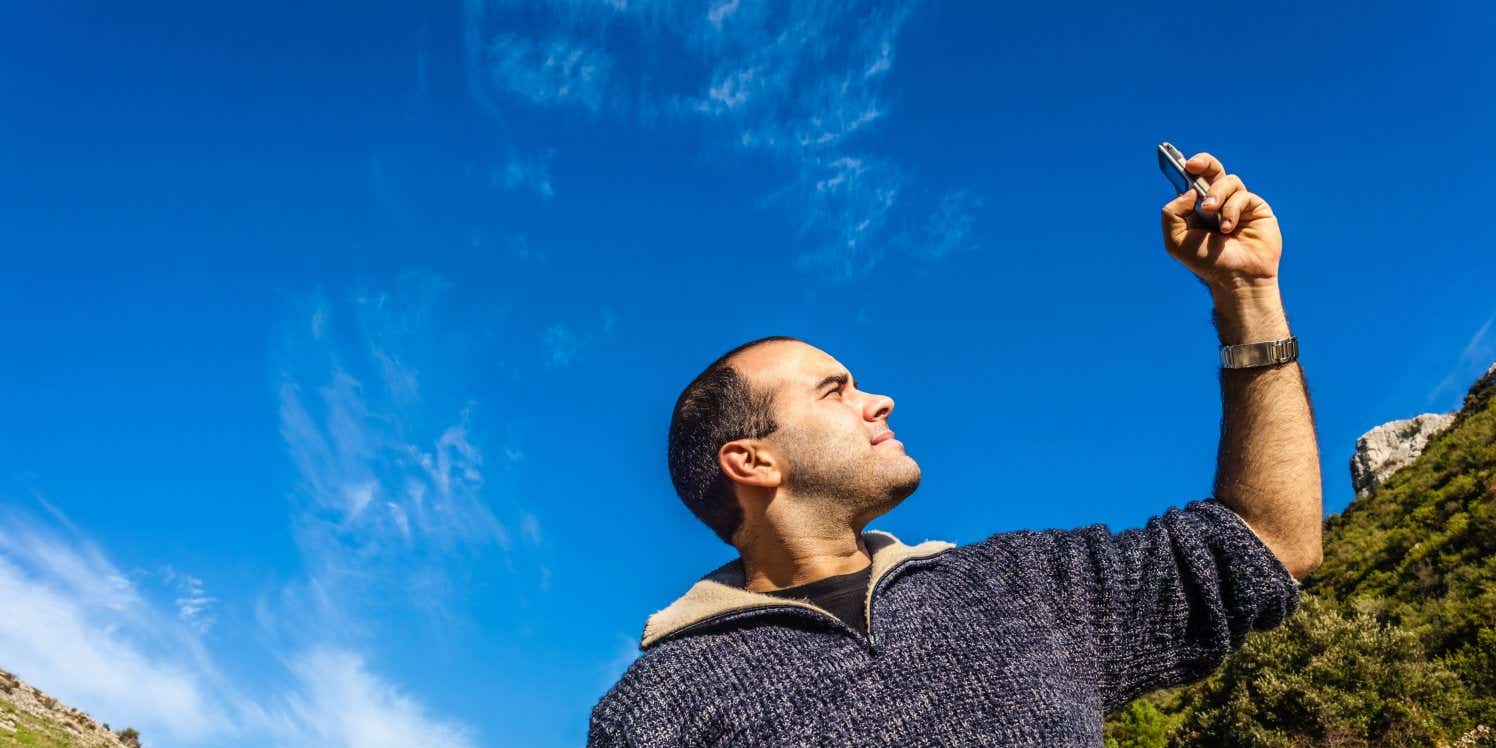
1249,313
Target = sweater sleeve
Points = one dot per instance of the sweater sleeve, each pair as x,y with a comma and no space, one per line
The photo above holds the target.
1164,604
606,733
606,726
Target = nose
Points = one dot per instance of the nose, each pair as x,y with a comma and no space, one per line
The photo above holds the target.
877,406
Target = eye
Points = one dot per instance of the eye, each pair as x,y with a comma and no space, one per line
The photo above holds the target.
836,391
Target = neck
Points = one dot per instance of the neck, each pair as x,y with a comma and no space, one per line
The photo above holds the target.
774,560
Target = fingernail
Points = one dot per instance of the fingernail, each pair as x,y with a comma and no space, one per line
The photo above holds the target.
1209,201
1226,225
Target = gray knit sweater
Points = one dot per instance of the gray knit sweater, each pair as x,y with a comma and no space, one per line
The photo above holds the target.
1024,638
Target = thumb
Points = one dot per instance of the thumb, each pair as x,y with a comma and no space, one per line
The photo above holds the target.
1176,217
1181,206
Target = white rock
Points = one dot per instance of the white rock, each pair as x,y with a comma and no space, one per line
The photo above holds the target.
1383,450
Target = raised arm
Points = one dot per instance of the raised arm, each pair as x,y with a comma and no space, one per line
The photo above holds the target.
1267,469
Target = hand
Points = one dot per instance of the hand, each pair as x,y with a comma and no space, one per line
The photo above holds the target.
1245,252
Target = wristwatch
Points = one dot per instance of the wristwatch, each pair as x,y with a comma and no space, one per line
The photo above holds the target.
1266,353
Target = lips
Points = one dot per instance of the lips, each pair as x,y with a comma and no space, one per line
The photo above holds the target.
885,436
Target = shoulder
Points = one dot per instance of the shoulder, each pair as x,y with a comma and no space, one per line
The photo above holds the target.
660,695
627,700
664,673
1018,550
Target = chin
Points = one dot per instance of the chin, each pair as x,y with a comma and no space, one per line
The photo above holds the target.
908,484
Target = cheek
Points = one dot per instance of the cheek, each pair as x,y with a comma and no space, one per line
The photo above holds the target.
853,431
835,424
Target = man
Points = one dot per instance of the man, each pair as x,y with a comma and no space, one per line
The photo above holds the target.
821,634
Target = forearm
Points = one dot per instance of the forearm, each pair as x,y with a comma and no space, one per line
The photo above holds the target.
1267,469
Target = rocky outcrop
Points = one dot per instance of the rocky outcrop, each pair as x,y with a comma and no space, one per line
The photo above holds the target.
1385,449
30,717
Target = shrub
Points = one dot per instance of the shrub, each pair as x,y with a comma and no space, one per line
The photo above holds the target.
1328,679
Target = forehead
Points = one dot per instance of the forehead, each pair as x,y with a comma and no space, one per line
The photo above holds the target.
786,364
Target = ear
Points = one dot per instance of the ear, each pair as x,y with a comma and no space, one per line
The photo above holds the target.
750,462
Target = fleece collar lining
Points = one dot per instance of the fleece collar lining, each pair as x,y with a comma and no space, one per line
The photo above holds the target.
722,590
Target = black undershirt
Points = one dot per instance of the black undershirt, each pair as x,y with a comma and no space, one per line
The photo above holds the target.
844,595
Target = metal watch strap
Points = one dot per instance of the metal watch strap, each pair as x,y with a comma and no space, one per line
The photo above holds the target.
1266,353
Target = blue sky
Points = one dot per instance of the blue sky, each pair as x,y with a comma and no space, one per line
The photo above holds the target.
341,343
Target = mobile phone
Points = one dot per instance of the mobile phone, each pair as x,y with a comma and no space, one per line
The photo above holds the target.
1171,162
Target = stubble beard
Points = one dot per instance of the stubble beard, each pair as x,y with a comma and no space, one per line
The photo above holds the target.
853,489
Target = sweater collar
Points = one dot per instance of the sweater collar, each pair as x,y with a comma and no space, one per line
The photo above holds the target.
723,590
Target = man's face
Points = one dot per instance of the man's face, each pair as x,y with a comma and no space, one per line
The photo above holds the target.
826,430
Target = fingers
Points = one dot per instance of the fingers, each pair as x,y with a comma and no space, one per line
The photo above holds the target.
1240,205
1205,165
1251,207
1220,190
1231,210
1226,196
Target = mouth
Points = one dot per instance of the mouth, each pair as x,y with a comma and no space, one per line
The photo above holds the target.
883,437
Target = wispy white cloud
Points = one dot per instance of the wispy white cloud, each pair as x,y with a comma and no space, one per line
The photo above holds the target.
562,344
557,71
392,495
389,495
521,248
798,86
721,10
1478,355
387,487
949,227
799,83
731,90
338,701
844,208
194,605
531,173
531,528
565,344
78,628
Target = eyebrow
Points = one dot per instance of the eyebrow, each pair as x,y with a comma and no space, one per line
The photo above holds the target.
835,379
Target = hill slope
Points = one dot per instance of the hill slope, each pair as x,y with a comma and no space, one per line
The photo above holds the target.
29,717
1396,640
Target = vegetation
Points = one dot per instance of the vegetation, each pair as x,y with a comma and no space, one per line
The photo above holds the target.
32,719
30,730
1395,642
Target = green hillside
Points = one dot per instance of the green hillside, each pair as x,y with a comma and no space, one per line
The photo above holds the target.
31,718
1396,641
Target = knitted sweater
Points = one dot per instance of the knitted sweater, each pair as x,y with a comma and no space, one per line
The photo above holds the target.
1024,638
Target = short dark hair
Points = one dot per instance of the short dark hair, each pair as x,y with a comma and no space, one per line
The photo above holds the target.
718,406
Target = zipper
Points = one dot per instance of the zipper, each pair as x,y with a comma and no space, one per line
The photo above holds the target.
872,639
868,640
